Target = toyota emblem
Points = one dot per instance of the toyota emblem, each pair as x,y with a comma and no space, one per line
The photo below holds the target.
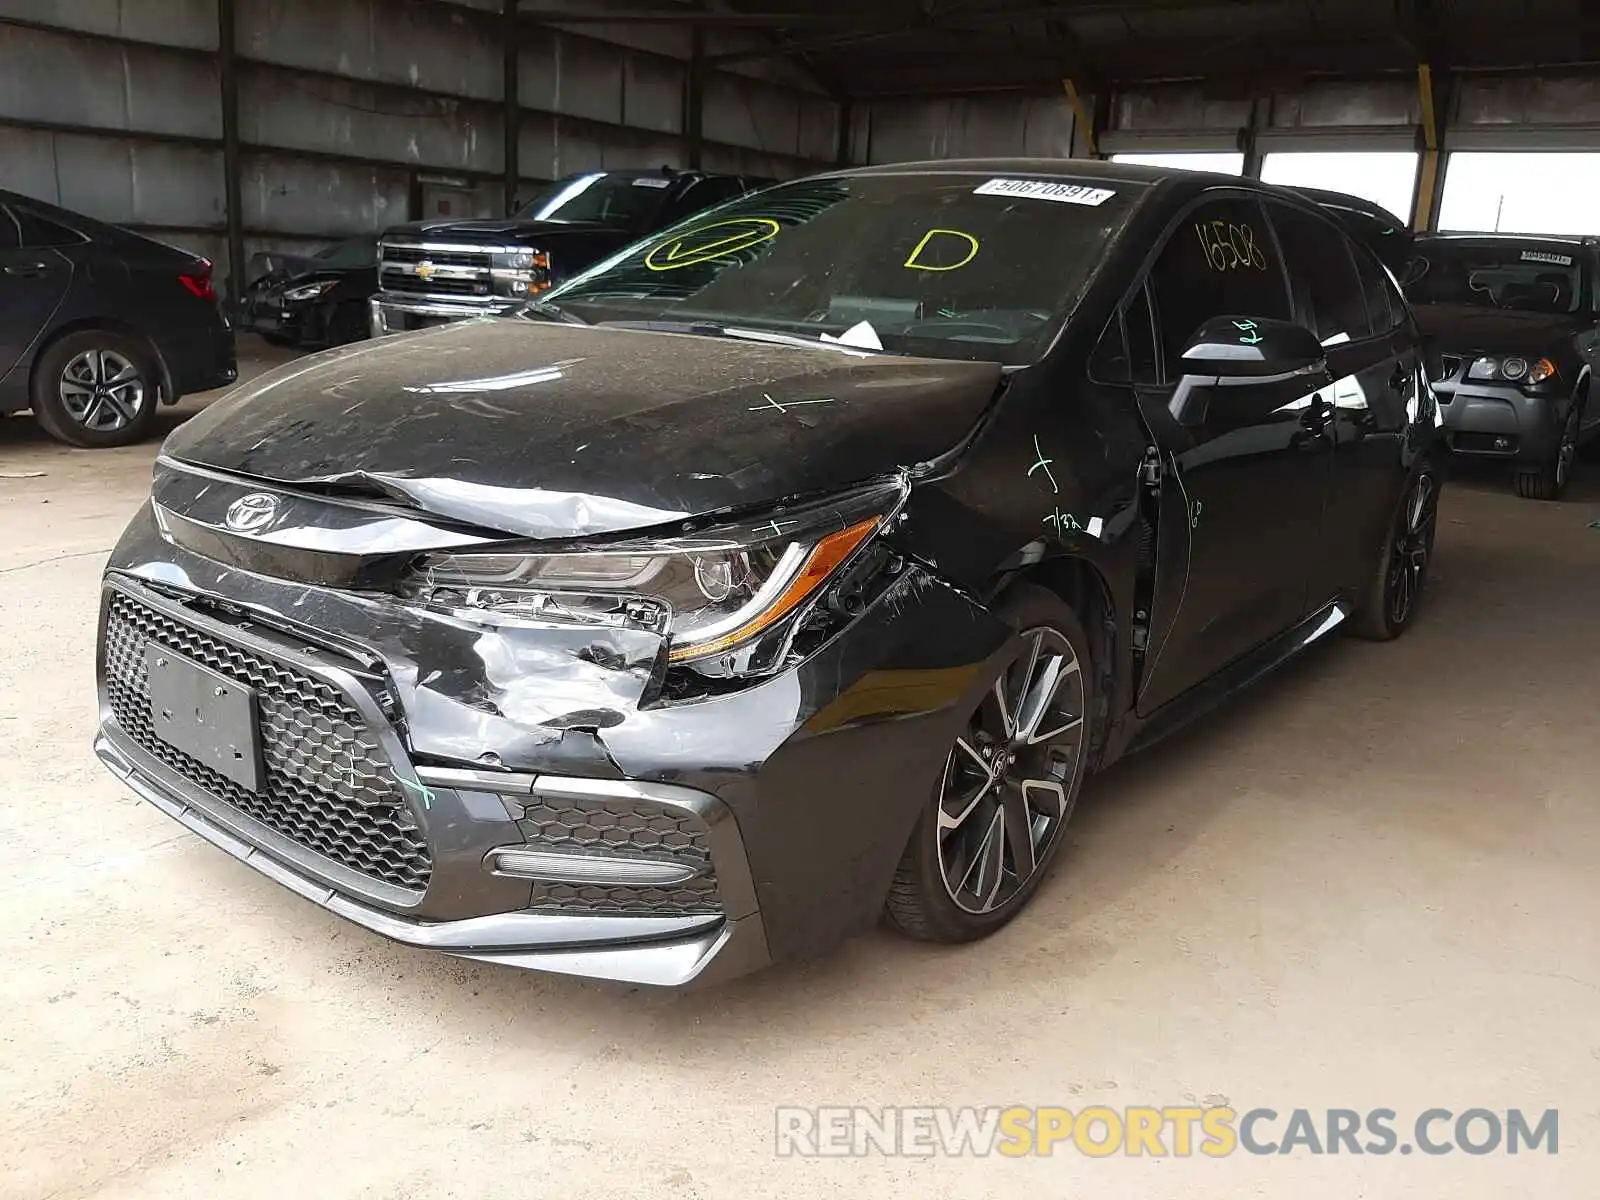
252,513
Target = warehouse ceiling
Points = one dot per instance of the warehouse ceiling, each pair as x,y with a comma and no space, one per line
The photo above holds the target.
864,48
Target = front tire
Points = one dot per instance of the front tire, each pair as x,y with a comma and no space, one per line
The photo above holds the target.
1548,480
96,389
987,836
1402,573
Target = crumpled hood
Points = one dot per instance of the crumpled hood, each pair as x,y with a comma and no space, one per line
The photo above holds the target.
1467,329
553,431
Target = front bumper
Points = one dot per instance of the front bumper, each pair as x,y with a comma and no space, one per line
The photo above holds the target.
465,907
394,314
797,863
1500,421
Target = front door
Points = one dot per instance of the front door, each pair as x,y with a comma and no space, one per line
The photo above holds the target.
1248,481
33,280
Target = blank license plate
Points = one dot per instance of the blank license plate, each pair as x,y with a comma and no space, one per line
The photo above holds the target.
207,715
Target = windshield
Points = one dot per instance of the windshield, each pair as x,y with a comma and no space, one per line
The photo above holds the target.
631,200
357,252
946,265
1546,279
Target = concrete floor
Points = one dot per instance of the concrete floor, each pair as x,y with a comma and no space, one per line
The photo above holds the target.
1370,883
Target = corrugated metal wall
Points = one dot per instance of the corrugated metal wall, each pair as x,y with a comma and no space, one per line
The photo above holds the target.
113,108
1531,112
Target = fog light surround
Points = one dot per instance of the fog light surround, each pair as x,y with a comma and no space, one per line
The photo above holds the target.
595,869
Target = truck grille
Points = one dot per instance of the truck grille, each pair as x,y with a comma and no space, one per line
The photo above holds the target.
328,786
634,828
412,285
465,257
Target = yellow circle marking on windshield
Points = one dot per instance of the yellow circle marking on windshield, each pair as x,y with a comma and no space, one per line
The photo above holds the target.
690,249
912,264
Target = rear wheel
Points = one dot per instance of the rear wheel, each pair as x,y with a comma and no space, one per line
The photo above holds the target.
1549,480
987,836
1402,575
96,388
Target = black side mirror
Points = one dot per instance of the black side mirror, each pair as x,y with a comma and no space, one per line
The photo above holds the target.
1250,347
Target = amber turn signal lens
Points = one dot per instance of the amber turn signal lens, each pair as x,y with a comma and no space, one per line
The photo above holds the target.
1541,370
823,560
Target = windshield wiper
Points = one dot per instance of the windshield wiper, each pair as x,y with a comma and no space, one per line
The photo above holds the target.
552,312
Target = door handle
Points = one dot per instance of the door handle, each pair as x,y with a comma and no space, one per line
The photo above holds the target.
27,270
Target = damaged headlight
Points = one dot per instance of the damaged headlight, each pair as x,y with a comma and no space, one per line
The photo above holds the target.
726,599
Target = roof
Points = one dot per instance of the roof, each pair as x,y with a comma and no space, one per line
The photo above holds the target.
942,47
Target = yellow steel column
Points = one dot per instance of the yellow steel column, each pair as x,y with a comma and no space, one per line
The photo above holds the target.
1081,117
1422,208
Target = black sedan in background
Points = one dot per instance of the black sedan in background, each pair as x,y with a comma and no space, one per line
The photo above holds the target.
317,301
98,325
792,567
1515,327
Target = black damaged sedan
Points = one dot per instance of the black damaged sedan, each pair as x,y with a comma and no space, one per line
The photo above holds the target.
793,567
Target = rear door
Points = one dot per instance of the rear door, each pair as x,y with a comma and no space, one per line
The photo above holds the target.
33,281
1343,294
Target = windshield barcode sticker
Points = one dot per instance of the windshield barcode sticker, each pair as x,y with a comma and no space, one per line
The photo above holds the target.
1039,189
1544,256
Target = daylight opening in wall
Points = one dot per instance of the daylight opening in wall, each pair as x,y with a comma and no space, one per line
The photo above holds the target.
1224,163
1502,192
1386,177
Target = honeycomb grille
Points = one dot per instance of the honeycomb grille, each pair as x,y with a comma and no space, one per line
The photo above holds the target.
327,784
629,829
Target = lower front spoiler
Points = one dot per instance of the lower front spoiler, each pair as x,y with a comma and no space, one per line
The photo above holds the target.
661,952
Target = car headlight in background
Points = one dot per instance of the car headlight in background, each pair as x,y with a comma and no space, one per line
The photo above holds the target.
309,291
1512,369
520,272
728,600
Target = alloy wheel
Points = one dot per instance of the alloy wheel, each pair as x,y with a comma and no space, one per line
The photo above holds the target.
1005,792
1413,544
102,390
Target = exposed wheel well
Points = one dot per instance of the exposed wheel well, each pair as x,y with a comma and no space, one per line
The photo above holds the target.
1080,584
112,325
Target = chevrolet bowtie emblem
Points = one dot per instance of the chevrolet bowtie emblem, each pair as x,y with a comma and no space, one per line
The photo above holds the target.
425,271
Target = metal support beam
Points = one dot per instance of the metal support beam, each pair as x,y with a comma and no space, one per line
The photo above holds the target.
1423,215
511,44
1085,123
232,170
847,117
694,100
1249,143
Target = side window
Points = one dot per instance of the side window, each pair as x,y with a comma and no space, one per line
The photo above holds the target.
1322,273
1109,362
1384,307
1126,352
1143,360
38,231
704,194
9,240
1219,261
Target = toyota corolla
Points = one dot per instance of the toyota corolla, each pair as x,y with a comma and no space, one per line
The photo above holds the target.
791,568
